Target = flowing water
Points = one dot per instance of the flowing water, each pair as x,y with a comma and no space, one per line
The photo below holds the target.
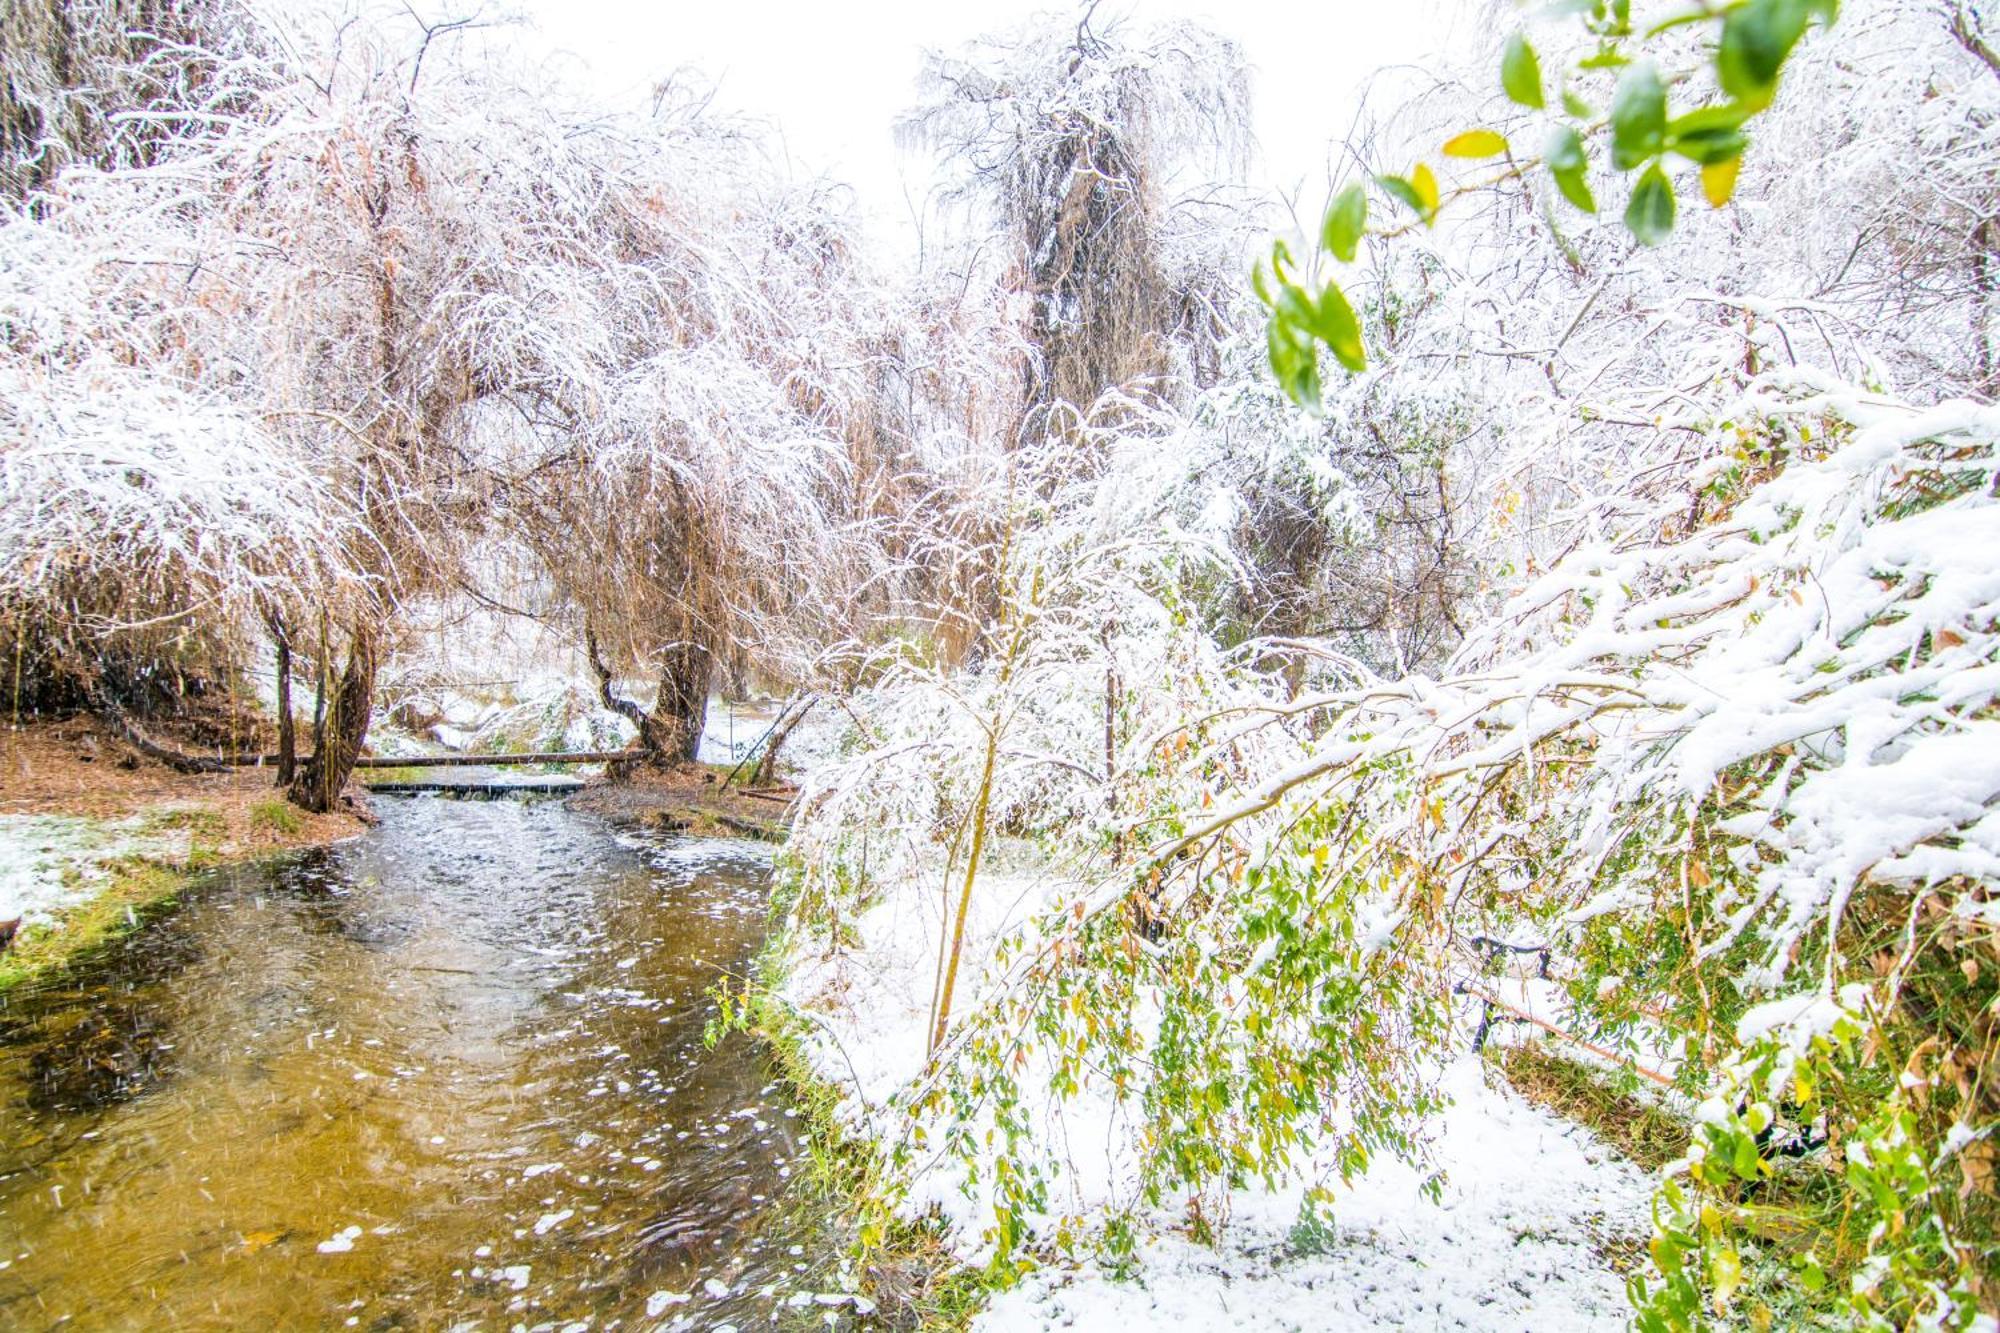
451,1074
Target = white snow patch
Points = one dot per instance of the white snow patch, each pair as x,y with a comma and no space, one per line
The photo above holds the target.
1513,1243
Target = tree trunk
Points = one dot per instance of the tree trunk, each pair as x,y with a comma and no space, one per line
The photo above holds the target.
650,738
685,672
767,767
339,734
672,731
288,742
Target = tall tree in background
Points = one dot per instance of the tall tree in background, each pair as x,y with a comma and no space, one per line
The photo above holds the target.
1075,139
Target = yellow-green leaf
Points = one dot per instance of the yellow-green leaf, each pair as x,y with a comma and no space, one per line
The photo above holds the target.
1718,181
1426,186
1521,73
1475,143
1346,219
1725,1272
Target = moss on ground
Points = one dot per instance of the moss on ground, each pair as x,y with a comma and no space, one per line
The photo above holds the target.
137,889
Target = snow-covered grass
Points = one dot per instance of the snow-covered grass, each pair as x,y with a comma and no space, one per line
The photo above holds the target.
1526,1234
49,863
1526,1229
78,881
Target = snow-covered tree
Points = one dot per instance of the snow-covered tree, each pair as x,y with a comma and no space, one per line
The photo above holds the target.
1082,145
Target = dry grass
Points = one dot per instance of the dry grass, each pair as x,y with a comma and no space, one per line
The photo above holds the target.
77,767
686,798
1650,1135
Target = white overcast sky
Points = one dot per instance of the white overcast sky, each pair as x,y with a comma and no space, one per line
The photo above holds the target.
833,77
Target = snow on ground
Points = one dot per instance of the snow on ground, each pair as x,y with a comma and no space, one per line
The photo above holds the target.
1516,1242
49,862
1518,1239
872,1003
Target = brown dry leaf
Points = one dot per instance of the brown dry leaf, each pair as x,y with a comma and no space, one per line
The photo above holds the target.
1697,874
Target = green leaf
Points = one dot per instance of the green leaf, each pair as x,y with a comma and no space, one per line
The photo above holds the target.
1711,146
1340,330
1258,283
1423,204
1568,165
1757,37
1564,150
1294,362
1521,73
1346,220
1638,117
1297,309
1699,14
1475,143
1650,214
1576,106
1709,135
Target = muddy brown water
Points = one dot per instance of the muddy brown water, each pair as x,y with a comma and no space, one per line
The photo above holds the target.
449,1075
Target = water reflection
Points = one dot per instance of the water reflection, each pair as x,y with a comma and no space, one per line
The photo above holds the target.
451,1073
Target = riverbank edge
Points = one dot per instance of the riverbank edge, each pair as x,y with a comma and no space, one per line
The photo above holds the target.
908,1264
141,886
688,799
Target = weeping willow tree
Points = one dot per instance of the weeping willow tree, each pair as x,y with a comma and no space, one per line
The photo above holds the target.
1078,142
71,69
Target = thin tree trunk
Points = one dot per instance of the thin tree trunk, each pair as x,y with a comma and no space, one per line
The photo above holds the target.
1111,686
342,731
1982,266
979,810
651,739
288,743
767,767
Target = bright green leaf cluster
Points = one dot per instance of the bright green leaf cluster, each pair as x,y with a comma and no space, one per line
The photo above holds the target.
1753,42
1301,321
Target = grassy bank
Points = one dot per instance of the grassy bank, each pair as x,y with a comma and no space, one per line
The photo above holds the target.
1796,1210
136,889
907,1267
94,840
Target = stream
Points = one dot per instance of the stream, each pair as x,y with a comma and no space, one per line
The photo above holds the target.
448,1075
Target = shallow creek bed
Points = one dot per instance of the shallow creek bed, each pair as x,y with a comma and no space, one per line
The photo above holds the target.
451,1073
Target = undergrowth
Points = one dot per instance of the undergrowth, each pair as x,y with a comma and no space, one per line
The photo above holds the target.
1795,1212
906,1266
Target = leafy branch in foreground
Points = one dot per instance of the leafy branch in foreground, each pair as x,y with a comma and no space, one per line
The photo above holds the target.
1752,41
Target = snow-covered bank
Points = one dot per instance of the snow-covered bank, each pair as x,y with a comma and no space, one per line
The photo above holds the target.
1524,1232
90,836
49,862
1522,1237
